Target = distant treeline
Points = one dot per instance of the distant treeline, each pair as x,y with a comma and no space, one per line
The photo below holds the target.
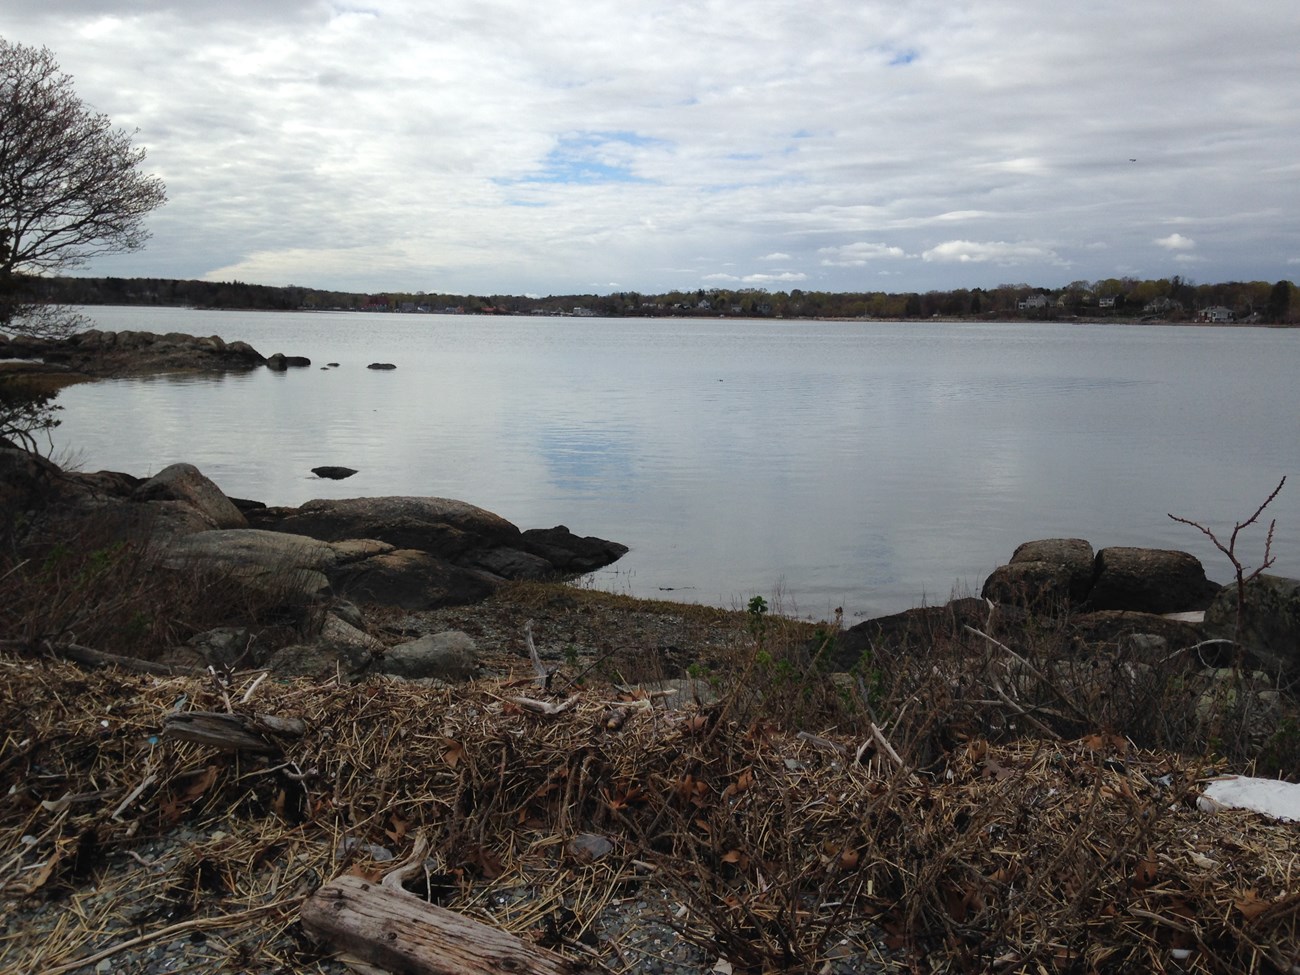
1172,299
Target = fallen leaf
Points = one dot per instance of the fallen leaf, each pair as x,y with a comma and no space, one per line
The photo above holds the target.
1251,905
453,752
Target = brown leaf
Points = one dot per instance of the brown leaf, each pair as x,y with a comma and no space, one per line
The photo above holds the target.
1251,905
1144,874
398,832
453,752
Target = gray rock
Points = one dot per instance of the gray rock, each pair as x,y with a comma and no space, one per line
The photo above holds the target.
275,561
413,580
314,660
449,656
1075,555
348,612
381,365
226,646
1035,585
570,553
440,526
336,633
186,484
1149,580
333,473
510,563
279,362
1270,623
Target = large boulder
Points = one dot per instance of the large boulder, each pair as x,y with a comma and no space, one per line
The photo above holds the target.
570,553
1048,573
99,353
1270,622
912,628
271,560
186,484
447,656
439,526
27,481
413,580
1149,580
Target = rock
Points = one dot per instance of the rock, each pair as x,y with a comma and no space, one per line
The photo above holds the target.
413,580
1118,627
99,354
510,563
349,613
333,473
381,365
314,660
226,646
337,633
1270,624
26,482
570,553
448,656
1075,555
1036,585
439,526
276,561
911,628
1149,580
185,483
279,362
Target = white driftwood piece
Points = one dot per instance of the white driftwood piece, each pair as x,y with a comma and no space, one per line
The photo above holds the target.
401,933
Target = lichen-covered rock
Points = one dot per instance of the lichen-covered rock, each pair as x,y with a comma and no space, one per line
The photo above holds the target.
1270,623
1149,580
187,484
448,656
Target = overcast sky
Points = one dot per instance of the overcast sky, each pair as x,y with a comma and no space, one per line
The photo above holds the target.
512,146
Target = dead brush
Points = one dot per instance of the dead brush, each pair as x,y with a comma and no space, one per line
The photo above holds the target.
120,597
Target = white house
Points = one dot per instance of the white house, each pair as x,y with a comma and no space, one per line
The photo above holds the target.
1217,313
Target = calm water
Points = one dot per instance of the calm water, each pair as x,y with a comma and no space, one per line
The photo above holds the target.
869,466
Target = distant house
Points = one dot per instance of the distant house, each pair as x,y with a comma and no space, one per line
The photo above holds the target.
1216,313
1106,302
1032,302
1158,306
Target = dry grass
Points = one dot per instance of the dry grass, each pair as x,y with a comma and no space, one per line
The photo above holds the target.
1042,856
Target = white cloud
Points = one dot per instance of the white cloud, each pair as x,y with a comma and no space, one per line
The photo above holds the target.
858,254
784,277
993,252
512,147
1176,242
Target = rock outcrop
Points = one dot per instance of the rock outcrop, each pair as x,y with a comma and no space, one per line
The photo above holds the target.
1054,573
406,552
1269,629
103,354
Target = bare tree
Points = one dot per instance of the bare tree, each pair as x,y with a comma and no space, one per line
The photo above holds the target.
70,185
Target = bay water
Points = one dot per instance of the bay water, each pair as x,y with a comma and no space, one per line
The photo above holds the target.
868,466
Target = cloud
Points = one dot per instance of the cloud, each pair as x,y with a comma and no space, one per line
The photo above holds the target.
858,254
1176,242
993,252
515,147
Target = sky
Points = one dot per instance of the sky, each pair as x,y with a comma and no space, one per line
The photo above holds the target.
517,147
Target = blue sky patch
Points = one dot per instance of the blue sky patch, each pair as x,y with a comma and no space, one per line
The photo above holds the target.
587,158
903,57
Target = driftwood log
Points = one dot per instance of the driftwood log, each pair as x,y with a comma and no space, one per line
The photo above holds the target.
239,732
401,933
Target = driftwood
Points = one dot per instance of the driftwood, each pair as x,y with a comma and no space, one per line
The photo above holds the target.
401,933
240,732
89,657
